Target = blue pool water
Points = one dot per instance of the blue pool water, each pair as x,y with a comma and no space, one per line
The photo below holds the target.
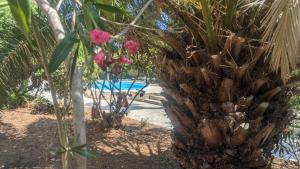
124,85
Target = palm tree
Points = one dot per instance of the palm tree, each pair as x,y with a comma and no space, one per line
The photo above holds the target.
225,78
18,58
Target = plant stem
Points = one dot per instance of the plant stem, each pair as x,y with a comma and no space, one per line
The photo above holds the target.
230,11
207,17
124,31
61,133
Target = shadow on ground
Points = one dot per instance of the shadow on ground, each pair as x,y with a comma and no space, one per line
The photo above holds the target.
133,148
26,145
25,140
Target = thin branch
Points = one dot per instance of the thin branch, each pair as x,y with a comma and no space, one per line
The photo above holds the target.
139,91
135,19
128,25
59,5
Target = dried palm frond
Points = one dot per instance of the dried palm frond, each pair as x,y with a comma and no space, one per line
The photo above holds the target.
283,35
249,4
281,23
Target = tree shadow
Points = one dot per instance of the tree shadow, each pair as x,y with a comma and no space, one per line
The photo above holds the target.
28,148
141,107
134,106
134,148
127,148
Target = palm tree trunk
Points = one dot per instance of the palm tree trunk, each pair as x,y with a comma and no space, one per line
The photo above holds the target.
223,122
228,109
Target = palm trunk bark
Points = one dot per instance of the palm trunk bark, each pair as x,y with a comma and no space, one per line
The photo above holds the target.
228,110
223,121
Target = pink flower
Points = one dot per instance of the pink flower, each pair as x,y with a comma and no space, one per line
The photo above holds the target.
99,37
124,60
100,60
132,46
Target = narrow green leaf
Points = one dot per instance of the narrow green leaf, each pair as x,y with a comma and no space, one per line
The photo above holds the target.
74,62
230,11
209,23
21,10
91,17
109,8
62,51
88,19
3,5
78,147
2,13
54,152
86,153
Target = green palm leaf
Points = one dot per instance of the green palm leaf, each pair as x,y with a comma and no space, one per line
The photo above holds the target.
19,58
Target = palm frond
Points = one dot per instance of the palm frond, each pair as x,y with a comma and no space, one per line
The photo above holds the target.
230,12
206,8
17,65
282,33
209,23
250,4
19,58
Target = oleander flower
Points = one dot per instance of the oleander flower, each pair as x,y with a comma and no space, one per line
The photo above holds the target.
99,37
124,60
100,58
132,46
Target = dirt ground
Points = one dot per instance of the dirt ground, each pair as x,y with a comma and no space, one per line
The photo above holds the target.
25,141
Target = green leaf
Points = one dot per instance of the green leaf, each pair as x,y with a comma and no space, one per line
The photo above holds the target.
91,17
230,12
209,23
86,153
55,152
21,10
62,51
74,62
110,8
88,19
3,5
78,147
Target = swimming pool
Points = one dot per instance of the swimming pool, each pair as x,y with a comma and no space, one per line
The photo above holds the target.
124,85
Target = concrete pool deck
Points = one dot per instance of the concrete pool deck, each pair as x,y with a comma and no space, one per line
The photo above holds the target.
153,114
